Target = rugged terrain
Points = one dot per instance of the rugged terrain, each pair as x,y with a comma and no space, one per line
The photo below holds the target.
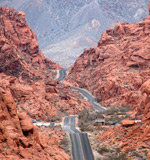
65,28
19,138
117,72
30,73
27,90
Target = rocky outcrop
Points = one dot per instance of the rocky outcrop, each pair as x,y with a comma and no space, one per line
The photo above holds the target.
133,137
20,54
127,123
27,90
117,71
19,138
30,74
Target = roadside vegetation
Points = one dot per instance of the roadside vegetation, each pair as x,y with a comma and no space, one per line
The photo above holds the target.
112,116
111,154
116,154
65,144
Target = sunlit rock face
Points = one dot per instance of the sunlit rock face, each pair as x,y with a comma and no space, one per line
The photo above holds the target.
28,91
117,72
117,67
65,28
30,75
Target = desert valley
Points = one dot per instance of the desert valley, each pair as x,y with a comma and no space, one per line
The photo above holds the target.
94,107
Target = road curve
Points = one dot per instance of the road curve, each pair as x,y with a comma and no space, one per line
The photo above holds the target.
81,148
62,75
85,93
90,99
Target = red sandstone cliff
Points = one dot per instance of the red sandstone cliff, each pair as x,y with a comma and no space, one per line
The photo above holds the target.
30,74
19,139
118,72
27,89
20,54
116,69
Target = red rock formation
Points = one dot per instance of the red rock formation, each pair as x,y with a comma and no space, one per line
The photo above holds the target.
115,69
118,72
127,123
31,80
137,136
20,54
27,88
19,139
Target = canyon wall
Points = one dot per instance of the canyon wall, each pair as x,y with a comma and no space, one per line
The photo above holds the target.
27,91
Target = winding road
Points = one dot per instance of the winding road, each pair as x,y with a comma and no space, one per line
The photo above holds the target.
90,99
62,75
85,93
81,148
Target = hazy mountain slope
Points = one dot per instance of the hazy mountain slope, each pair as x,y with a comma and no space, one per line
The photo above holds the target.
89,22
64,28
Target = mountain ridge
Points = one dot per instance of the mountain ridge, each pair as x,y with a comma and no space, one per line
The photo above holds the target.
67,23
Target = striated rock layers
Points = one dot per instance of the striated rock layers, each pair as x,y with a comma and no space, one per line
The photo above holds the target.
29,74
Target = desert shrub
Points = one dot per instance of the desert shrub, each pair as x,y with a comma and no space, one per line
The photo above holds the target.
98,100
124,108
111,111
65,145
85,127
112,154
103,149
137,155
55,118
117,156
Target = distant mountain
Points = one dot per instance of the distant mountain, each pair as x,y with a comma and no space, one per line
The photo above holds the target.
64,28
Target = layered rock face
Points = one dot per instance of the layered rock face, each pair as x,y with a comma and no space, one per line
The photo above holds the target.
30,74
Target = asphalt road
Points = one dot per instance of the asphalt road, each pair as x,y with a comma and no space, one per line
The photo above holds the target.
90,99
69,125
62,75
81,148
86,94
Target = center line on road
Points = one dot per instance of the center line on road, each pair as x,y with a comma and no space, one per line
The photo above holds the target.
81,145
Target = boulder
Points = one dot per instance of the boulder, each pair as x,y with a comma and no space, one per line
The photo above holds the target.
127,123
119,30
25,123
